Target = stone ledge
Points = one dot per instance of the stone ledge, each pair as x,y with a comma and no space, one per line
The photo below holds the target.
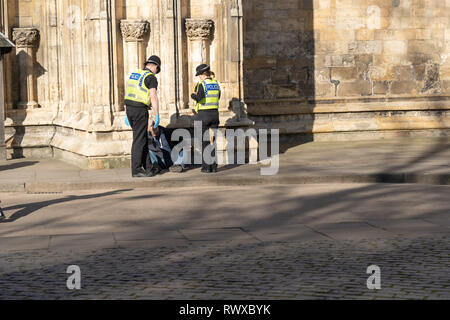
29,152
355,122
300,106
295,138
350,99
12,187
95,163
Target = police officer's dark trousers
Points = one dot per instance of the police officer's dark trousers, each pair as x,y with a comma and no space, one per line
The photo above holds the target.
140,158
209,119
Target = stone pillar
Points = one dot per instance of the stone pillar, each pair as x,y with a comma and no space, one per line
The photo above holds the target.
26,43
2,114
134,32
236,39
199,32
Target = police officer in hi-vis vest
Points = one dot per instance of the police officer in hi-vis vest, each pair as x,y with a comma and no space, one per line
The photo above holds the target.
207,97
140,96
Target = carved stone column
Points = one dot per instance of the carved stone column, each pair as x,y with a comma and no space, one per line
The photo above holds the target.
2,114
199,32
238,106
134,32
26,44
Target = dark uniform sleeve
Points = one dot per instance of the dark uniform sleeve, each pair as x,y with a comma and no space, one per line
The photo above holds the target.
200,93
151,82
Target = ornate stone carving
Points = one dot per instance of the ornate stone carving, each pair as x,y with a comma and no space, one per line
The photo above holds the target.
199,29
134,30
25,37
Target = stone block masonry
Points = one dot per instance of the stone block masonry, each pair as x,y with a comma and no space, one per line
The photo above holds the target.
65,81
324,51
374,40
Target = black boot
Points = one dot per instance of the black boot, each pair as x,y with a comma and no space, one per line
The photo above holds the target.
206,169
155,169
143,174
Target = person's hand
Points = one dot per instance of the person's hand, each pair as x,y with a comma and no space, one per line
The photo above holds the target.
193,96
127,123
156,121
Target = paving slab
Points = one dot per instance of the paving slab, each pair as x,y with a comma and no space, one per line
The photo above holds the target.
285,233
101,175
156,234
12,187
136,244
443,221
78,241
351,231
24,243
223,234
412,227
57,176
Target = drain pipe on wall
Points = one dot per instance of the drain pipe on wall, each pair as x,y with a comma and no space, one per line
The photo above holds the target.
238,8
175,55
110,58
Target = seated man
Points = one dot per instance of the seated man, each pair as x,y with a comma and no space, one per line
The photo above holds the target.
160,152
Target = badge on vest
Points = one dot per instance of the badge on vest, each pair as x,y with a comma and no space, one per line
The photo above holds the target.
212,87
135,76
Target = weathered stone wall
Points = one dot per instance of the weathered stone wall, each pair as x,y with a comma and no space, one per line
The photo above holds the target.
346,47
366,67
382,47
65,81
278,49
303,66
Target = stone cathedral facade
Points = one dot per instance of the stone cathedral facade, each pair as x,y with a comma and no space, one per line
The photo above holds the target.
315,69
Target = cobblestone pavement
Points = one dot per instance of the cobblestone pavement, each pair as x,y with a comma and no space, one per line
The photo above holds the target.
411,268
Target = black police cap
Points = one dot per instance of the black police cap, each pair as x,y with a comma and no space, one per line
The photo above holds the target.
202,68
155,60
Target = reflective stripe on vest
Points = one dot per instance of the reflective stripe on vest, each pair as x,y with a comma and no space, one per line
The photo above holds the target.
136,89
212,93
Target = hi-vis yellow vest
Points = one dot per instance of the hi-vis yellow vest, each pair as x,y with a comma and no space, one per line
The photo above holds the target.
212,92
136,89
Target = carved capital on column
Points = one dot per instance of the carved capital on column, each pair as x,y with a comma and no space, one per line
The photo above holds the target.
134,30
25,37
199,29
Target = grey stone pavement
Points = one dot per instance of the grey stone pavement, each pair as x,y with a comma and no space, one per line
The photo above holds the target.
234,235
401,160
244,242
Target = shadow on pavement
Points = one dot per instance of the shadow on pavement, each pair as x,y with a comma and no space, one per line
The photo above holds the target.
29,208
18,165
279,270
